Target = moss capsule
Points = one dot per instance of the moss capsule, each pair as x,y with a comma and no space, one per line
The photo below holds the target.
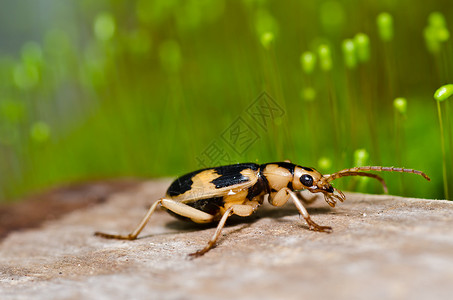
349,53
362,45
325,58
385,26
267,39
444,92
400,104
308,62
104,26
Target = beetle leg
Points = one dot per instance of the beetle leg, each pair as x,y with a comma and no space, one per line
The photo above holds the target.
240,210
185,210
279,198
311,224
175,206
282,196
133,235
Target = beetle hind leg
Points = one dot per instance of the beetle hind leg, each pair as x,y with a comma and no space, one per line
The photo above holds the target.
175,206
133,235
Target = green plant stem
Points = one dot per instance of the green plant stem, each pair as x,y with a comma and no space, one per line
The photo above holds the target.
442,63
368,86
391,74
312,111
399,146
274,86
444,157
334,115
352,108
446,66
449,130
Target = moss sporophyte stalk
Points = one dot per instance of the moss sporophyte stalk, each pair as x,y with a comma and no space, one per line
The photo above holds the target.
442,94
400,115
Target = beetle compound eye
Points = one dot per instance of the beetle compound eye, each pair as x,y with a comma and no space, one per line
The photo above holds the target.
306,180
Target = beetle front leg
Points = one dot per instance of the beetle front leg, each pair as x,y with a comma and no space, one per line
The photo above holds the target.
282,196
311,224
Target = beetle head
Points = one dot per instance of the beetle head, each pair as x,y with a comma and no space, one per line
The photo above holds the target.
331,194
315,182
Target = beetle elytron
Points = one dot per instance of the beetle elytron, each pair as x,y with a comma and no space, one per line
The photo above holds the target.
214,194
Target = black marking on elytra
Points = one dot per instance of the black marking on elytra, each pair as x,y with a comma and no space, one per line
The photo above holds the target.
231,175
210,206
273,190
183,183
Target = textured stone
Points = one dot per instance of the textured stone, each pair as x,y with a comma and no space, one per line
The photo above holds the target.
382,247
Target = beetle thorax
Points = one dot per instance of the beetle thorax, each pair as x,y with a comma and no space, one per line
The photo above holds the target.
278,176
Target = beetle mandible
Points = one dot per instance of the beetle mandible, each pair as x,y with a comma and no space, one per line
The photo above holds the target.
214,194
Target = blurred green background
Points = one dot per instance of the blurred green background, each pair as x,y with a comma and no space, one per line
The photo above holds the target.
102,89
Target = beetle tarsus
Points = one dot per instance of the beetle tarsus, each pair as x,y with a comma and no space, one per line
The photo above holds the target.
115,236
202,251
315,227
198,253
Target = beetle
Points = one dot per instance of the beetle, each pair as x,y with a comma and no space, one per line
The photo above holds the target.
214,194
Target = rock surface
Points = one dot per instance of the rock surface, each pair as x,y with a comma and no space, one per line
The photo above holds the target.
382,247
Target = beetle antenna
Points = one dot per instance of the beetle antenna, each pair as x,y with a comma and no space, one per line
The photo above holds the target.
359,171
331,177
